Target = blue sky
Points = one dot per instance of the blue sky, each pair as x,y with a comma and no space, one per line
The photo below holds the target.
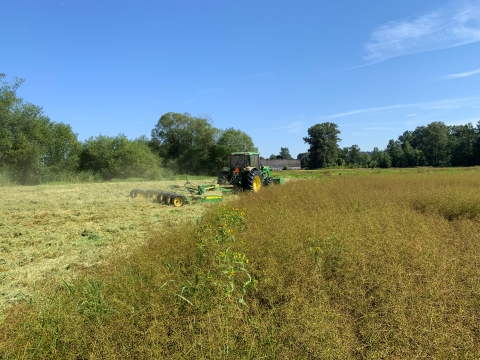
269,68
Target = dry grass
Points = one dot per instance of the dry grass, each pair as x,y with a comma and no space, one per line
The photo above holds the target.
53,231
342,267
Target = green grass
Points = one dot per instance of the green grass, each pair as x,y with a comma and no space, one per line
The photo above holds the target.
333,267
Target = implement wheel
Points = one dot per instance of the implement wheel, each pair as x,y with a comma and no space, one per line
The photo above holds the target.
160,196
177,200
167,197
154,194
252,181
132,193
139,194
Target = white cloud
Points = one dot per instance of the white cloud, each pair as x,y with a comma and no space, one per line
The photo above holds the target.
432,105
292,128
188,101
460,75
366,110
410,115
453,25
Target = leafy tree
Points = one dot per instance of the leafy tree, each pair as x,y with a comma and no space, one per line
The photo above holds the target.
354,155
30,144
273,157
323,140
342,159
145,140
385,160
409,154
235,140
407,136
118,157
229,140
380,158
462,141
414,138
303,157
476,149
435,143
417,137
375,157
8,102
395,151
184,138
420,159
62,154
285,153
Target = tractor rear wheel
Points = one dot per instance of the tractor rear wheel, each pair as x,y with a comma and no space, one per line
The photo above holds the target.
222,179
252,181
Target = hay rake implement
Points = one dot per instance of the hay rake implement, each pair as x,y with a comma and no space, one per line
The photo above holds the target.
177,197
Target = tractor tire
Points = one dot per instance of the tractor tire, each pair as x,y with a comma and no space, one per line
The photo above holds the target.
177,200
167,197
222,179
148,194
132,193
252,181
140,194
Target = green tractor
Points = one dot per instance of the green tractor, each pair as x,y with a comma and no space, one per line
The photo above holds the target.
246,172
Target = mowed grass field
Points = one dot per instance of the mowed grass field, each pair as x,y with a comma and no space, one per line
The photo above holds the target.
56,230
332,267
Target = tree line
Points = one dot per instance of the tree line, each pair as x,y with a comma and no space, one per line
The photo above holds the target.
435,144
34,149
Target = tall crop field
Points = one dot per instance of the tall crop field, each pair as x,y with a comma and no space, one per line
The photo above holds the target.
362,267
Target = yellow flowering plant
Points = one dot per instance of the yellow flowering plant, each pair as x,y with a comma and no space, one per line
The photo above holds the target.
222,256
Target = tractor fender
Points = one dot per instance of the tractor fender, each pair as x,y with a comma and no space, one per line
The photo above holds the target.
252,168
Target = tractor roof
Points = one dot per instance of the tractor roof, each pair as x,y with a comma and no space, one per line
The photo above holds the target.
244,153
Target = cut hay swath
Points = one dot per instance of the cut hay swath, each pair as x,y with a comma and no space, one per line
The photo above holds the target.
53,231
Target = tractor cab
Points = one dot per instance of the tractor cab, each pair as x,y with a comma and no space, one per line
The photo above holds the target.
242,160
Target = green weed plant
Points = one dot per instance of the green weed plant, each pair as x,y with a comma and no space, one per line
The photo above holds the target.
222,255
